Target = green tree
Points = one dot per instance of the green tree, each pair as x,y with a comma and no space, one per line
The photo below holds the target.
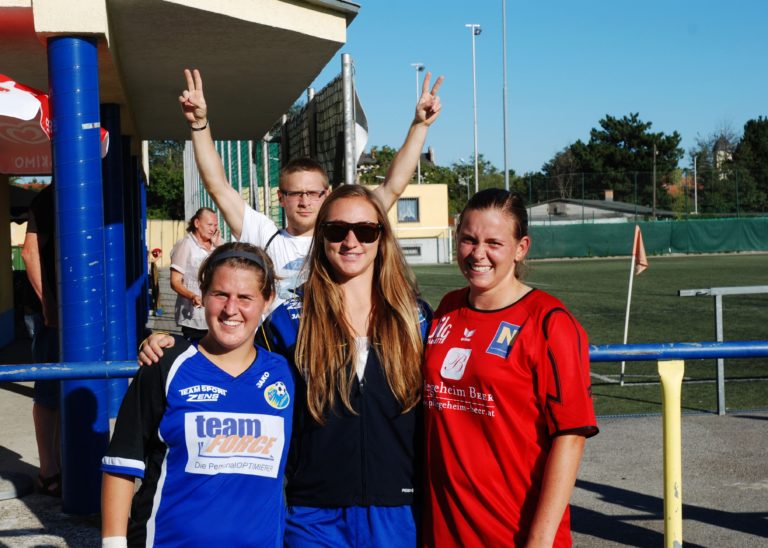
714,193
621,148
728,170
563,170
374,173
750,162
165,193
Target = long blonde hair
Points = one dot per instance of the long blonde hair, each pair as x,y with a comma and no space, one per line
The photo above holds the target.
325,348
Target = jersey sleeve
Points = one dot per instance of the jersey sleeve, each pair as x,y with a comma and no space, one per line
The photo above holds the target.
564,376
425,318
257,227
137,422
283,327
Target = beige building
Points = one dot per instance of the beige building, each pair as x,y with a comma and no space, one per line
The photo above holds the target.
420,221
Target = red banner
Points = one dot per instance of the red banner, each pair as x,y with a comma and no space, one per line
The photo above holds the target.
25,130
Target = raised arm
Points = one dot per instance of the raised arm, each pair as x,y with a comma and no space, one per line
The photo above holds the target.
404,163
208,161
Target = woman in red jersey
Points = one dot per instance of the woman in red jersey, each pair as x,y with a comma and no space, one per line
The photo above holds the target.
507,394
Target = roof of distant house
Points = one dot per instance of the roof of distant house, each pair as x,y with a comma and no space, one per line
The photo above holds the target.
611,205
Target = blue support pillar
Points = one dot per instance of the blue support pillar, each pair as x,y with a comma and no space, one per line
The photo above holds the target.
74,81
142,186
114,238
136,253
131,244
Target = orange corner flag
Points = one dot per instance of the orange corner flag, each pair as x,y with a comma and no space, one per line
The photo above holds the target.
638,251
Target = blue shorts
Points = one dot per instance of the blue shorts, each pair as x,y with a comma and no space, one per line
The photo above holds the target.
354,526
45,349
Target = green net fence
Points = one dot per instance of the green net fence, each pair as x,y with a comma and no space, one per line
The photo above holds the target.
660,237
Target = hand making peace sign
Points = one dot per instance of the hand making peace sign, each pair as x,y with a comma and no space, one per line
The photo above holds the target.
192,100
428,107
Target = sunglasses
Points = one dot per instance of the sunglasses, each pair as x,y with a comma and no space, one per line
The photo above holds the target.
336,231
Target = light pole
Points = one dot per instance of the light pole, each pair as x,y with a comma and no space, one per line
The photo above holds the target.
655,152
504,94
476,30
419,68
695,188
466,173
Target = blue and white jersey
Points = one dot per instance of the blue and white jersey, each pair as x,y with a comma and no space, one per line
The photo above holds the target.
210,447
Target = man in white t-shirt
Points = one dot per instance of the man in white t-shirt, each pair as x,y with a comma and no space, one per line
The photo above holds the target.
303,184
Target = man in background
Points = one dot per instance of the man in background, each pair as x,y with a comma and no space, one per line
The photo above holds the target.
303,184
39,255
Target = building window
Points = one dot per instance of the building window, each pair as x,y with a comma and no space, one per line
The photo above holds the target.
408,210
411,251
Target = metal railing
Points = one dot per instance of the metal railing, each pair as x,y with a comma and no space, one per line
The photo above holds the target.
597,353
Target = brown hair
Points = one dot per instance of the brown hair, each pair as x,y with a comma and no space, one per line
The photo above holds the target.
239,255
303,164
325,347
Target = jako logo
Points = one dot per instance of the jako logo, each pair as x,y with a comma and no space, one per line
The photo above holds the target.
263,379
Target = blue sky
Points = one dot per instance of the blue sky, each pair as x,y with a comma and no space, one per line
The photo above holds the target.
685,65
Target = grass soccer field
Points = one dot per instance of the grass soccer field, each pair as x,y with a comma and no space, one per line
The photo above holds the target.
595,290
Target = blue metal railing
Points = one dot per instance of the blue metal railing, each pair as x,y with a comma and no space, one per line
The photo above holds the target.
598,353
678,351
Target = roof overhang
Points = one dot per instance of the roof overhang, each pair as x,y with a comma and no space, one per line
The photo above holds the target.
256,56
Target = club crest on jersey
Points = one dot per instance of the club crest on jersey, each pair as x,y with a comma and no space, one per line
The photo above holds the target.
455,363
202,392
277,395
441,331
503,339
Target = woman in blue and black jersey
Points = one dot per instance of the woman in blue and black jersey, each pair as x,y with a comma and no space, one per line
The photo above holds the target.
208,428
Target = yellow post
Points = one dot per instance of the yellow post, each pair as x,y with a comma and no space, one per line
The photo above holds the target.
671,373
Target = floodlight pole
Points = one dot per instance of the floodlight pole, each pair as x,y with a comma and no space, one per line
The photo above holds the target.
419,68
475,31
466,172
695,188
504,94
654,181
350,154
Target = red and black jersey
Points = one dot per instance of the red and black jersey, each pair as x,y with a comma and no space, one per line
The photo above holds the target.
498,386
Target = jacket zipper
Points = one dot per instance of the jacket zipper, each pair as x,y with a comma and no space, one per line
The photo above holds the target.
364,483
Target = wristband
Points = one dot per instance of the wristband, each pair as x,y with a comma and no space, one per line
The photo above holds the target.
114,542
193,128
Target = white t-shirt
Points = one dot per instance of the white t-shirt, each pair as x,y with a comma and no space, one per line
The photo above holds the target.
362,348
286,251
186,257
